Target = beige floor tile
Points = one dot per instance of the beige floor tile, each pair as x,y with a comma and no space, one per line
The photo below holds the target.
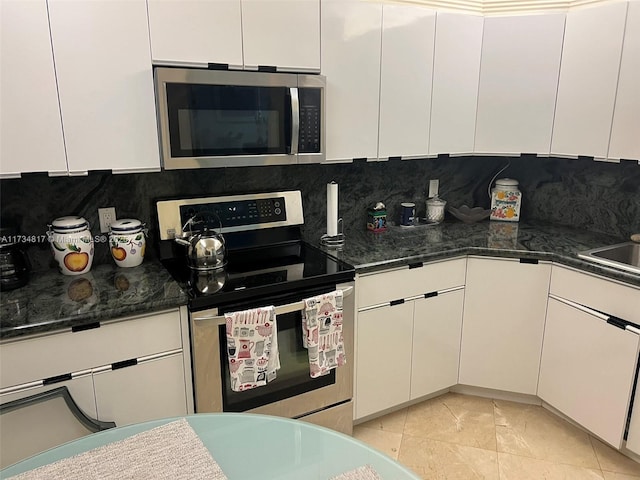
454,418
613,461
619,476
532,431
436,460
385,442
393,422
514,467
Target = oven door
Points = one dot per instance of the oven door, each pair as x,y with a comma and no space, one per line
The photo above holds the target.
293,393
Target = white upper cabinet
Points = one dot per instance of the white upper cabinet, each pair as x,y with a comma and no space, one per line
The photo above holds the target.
456,73
405,80
105,83
196,32
588,80
281,33
30,125
351,38
625,133
518,83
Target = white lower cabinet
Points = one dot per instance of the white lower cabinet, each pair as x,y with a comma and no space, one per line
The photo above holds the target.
383,358
435,353
504,310
407,347
146,391
588,368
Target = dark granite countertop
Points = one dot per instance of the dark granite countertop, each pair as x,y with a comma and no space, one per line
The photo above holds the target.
398,246
52,301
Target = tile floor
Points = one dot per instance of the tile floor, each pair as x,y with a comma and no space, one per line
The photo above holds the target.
459,437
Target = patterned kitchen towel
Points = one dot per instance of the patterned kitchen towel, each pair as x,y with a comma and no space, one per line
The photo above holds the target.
322,332
252,347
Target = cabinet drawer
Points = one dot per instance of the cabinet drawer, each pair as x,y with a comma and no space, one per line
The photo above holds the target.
38,358
405,282
606,296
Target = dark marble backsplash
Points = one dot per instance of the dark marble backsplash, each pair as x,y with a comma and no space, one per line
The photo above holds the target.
595,196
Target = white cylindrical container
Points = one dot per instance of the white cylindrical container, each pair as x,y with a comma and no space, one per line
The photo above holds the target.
71,244
127,242
332,209
505,200
435,209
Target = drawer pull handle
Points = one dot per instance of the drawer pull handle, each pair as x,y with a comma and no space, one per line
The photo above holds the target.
56,379
430,294
88,326
532,261
124,364
396,302
416,265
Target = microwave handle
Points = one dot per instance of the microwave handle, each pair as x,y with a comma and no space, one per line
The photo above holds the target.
295,120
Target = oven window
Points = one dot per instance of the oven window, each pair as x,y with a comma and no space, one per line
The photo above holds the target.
292,379
219,120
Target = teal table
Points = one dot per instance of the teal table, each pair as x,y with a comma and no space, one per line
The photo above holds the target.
279,448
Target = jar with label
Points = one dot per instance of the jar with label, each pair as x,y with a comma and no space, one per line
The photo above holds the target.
505,200
71,244
127,242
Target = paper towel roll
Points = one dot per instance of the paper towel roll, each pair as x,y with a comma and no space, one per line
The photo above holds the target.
332,209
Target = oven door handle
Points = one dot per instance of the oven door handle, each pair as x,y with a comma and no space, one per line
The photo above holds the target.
280,310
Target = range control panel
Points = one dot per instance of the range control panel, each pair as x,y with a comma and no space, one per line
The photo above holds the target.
238,212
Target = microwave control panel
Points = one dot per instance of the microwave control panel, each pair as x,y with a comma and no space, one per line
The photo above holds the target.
309,136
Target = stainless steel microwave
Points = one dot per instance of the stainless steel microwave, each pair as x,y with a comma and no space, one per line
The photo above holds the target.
219,118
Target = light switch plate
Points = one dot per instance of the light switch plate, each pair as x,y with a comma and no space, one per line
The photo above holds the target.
106,216
433,187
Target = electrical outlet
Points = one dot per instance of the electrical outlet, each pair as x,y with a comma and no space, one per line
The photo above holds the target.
433,187
106,216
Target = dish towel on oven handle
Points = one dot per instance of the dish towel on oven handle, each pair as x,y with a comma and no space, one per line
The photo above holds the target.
252,347
322,332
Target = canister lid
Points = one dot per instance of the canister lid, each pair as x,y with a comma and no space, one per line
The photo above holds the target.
126,225
506,182
66,224
436,201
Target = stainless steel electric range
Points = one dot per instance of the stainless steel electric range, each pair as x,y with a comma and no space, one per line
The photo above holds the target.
267,263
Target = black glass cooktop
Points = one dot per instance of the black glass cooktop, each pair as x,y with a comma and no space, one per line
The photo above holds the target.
259,272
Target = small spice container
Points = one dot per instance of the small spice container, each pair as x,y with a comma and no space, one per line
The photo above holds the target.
71,244
505,200
127,242
376,220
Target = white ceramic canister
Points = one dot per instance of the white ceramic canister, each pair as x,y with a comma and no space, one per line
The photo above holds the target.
505,200
127,242
71,244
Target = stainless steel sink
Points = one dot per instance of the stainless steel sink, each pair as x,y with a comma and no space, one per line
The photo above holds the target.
624,255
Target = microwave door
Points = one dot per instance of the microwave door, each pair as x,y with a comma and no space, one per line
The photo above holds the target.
221,125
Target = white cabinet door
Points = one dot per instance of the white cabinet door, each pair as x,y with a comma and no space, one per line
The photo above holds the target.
588,80
281,33
105,82
195,32
351,38
405,80
504,309
633,436
437,326
456,73
147,391
518,83
383,349
587,369
625,133
30,125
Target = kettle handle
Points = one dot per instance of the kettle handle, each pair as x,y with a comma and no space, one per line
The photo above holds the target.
203,216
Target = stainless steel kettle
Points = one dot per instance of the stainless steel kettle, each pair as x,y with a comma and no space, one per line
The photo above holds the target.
206,248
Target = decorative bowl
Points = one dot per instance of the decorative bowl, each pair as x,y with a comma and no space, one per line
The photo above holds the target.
469,215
